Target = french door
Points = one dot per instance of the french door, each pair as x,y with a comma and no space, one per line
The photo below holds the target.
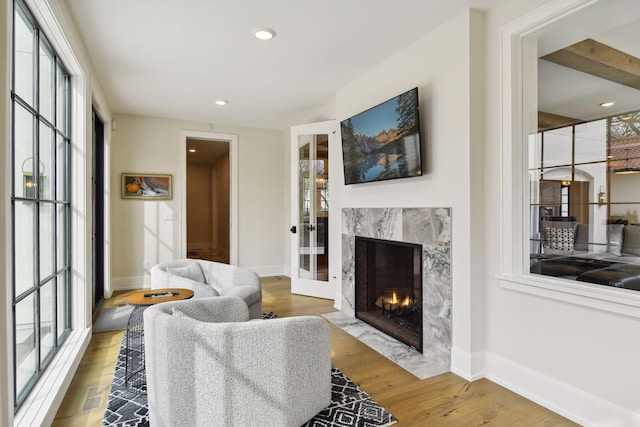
310,209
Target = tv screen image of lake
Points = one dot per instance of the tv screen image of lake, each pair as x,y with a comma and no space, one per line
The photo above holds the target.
383,142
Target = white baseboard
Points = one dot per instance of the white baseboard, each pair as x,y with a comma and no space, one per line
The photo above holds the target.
269,270
131,282
467,365
564,399
144,282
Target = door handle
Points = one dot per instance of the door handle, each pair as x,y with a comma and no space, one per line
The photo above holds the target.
312,227
293,229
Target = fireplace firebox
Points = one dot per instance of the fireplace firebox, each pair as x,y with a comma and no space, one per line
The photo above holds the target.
388,288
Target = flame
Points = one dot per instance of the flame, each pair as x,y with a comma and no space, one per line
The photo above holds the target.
394,299
406,302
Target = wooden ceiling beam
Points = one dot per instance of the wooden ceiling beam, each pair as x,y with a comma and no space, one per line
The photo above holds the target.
548,121
600,60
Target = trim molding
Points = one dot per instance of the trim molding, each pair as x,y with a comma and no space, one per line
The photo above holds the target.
43,402
144,282
130,283
212,137
270,270
467,365
564,399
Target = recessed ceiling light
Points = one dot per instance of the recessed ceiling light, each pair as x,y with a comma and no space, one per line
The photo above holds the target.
607,104
222,101
192,150
264,33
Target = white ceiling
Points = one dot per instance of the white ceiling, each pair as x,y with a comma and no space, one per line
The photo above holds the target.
172,59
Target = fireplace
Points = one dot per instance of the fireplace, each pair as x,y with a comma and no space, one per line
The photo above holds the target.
388,288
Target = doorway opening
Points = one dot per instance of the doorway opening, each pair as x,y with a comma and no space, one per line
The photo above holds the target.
97,201
208,201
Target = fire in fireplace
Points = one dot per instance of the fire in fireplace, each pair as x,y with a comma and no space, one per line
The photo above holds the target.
388,288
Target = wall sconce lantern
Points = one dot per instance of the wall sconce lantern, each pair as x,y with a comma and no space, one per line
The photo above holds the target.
28,180
602,196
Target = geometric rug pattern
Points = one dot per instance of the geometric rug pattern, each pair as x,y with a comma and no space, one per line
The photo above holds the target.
350,405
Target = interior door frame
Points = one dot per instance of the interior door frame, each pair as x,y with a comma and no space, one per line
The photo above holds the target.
214,137
98,239
314,288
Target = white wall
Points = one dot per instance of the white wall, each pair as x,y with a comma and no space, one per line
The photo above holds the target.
440,65
139,231
579,361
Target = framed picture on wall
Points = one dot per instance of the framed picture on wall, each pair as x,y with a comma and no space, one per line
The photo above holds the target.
146,186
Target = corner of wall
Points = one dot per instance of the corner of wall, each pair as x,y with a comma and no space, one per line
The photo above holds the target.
469,366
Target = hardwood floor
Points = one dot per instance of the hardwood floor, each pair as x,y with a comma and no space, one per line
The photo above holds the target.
444,400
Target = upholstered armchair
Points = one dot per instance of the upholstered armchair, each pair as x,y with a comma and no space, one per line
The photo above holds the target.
208,279
207,365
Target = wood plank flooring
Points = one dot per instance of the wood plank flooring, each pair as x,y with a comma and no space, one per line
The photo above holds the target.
444,400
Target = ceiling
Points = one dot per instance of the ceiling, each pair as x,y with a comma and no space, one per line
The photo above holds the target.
206,151
175,58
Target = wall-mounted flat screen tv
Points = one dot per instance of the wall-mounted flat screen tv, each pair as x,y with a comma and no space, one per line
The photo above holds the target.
383,142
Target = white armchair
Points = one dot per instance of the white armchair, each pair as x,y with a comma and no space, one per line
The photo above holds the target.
208,279
207,366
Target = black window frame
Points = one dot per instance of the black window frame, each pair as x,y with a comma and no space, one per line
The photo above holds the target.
59,201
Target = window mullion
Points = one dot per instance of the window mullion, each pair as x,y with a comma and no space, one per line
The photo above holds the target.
36,175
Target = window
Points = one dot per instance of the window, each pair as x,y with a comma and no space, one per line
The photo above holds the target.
559,157
585,197
583,161
41,211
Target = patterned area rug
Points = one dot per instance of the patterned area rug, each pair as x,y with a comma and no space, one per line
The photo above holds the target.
350,405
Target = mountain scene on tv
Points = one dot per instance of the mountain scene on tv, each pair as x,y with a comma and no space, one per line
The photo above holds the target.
383,142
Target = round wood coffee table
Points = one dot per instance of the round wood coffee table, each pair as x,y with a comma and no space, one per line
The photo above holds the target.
155,296
134,366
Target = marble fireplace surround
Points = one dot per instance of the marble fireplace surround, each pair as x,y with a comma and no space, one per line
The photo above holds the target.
431,228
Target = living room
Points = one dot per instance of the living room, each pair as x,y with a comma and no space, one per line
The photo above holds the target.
546,340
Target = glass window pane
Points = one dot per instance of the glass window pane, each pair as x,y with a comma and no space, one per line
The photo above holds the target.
628,212
61,169
46,81
40,225
535,151
61,237
591,142
24,186
47,239
24,249
47,310
624,188
25,335
46,162
595,174
556,146
63,306
62,96
24,42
